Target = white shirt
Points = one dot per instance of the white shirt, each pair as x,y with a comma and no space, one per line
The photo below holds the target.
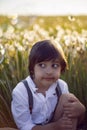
43,106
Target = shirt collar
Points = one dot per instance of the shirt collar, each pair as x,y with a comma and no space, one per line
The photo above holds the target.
34,88
31,84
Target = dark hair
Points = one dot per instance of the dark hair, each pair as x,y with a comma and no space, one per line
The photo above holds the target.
44,51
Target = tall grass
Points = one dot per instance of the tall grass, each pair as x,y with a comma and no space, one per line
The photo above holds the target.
76,78
18,34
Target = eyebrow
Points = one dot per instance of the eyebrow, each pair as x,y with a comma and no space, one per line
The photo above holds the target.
56,60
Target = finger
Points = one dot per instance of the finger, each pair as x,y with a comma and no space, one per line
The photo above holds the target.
68,124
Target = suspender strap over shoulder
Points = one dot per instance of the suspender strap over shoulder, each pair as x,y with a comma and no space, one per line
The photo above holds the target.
30,96
58,91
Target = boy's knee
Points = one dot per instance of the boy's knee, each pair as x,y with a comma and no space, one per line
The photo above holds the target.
65,98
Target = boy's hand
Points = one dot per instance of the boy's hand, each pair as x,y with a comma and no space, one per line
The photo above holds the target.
74,108
64,123
64,105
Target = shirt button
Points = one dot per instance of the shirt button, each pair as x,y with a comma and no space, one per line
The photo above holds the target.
47,120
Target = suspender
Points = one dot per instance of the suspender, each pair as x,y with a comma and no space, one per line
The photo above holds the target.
58,91
30,96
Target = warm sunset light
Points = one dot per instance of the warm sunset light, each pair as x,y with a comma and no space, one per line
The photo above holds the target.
22,24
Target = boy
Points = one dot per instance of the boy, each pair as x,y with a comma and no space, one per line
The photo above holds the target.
49,112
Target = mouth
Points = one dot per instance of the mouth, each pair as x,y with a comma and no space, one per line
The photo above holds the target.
48,78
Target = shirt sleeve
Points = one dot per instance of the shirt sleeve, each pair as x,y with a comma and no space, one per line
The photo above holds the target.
20,108
63,85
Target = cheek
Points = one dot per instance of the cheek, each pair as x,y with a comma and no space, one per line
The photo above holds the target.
37,74
57,73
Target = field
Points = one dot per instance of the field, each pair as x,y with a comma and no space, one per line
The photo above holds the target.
19,33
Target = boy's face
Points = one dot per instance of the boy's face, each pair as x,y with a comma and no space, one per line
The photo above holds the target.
46,73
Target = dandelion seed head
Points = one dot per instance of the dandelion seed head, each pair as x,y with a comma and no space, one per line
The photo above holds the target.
2,53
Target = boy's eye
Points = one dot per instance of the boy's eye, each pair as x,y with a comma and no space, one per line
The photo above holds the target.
55,65
42,65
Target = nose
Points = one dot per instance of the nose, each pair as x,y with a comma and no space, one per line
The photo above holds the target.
49,70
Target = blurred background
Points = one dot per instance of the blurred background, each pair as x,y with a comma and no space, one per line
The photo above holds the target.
42,7
24,22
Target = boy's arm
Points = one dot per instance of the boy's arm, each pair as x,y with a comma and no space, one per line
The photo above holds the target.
71,106
74,108
63,123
